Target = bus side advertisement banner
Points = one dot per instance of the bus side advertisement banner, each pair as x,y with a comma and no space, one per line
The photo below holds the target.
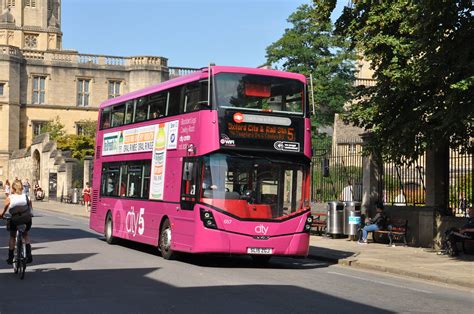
158,162
261,131
129,141
153,138
137,140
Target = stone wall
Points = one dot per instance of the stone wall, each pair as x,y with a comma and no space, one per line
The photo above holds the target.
443,224
421,222
20,165
41,161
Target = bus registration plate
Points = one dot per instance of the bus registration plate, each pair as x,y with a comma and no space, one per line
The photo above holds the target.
259,250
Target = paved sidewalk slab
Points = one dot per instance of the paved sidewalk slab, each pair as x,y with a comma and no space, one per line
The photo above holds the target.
407,261
71,209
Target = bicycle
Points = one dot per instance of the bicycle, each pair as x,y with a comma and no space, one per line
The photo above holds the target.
19,253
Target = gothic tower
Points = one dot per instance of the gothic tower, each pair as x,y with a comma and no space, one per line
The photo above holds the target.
31,24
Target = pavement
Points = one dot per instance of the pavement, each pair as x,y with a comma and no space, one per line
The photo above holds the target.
413,262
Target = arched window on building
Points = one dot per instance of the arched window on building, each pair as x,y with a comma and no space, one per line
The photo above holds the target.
10,3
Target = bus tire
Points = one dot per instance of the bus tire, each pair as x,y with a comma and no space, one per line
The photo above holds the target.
108,231
165,241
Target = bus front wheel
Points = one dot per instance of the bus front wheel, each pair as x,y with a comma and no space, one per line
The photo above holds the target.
165,241
109,226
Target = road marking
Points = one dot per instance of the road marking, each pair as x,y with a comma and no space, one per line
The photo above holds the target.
66,219
380,282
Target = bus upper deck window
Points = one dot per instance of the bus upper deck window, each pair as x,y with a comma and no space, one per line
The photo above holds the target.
118,115
105,118
141,109
129,112
157,105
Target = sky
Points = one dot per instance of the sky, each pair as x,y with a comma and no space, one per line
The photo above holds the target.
190,33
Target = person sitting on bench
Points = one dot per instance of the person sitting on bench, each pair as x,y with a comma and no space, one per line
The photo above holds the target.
453,236
376,223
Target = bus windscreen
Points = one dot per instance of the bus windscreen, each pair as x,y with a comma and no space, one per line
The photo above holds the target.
259,93
253,188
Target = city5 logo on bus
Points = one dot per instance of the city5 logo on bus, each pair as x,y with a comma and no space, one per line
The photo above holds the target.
238,117
261,229
134,222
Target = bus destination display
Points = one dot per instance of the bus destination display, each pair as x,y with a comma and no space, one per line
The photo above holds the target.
261,131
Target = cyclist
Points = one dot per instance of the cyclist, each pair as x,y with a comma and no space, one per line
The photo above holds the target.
16,200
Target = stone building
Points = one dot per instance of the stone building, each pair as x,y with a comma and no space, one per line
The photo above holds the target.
40,80
347,134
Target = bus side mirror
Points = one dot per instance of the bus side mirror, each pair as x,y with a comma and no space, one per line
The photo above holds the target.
325,167
188,171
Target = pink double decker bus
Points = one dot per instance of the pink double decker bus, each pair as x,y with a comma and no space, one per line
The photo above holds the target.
213,162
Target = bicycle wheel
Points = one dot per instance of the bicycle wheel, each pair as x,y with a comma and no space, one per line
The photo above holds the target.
16,256
16,262
22,256
22,269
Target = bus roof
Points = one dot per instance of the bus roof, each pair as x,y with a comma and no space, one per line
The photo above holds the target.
202,73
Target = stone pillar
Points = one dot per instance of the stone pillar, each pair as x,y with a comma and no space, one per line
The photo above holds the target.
65,177
437,178
87,170
372,170
70,163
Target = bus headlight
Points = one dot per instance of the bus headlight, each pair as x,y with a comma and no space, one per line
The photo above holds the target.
208,219
308,223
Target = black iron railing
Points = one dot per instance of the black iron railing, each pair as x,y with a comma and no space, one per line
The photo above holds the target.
337,172
403,184
461,182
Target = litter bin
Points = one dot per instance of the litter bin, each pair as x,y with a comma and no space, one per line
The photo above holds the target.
75,193
335,223
351,218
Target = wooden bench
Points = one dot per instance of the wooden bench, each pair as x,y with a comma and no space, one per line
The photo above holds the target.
319,222
397,229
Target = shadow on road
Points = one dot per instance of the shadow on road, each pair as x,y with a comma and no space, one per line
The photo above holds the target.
43,259
329,255
42,235
135,291
227,261
49,234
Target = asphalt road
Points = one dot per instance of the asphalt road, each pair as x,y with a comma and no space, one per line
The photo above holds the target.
75,271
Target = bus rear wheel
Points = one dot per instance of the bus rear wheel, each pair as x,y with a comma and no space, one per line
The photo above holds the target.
165,241
108,232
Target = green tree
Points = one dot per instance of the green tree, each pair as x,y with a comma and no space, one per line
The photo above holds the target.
55,128
424,71
311,47
89,126
79,145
